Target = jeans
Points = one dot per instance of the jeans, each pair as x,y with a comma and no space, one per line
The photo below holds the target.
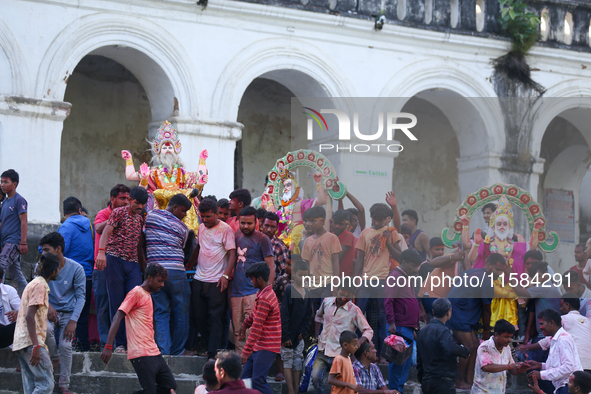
82,325
10,261
171,313
210,312
122,276
59,348
397,374
257,368
321,367
364,295
101,300
154,375
38,379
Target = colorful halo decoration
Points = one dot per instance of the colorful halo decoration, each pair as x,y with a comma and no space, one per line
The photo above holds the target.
334,188
517,196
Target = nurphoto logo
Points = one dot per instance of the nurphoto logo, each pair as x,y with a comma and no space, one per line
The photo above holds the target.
392,120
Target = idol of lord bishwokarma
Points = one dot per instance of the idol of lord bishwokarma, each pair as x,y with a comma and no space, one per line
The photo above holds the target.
500,239
167,176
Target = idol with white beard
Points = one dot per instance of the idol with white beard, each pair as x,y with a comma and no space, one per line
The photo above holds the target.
499,239
167,176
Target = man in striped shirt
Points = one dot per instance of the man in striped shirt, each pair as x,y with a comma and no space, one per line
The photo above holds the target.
166,235
264,340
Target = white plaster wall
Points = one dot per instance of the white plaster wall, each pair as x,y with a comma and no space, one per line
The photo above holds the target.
207,59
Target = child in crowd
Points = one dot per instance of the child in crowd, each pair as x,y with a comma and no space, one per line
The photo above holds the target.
264,340
31,350
376,245
321,251
342,376
337,314
223,209
296,317
211,382
151,369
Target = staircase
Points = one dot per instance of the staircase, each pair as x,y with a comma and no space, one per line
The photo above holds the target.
91,376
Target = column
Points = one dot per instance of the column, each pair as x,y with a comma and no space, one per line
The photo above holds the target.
30,143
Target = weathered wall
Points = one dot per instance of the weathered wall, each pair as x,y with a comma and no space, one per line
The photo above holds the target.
265,112
425,176
110,112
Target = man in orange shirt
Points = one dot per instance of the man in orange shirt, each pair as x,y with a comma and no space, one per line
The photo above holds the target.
151,369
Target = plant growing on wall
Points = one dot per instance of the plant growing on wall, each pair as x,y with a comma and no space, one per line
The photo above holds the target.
522,27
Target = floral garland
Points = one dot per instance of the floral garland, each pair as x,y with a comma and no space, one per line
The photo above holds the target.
172,182
508,249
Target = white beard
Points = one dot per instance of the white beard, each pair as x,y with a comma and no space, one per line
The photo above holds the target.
168,161
508,234
287,195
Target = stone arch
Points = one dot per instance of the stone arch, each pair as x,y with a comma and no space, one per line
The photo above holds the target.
15,60
445,79
574,94
560,122
278,59
165,73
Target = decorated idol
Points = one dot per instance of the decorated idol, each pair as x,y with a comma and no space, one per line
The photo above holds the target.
292,208
499,238
167,176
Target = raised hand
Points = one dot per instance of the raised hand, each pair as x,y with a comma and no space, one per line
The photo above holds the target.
477,236
126,155
317,177
465,221
391,199
539,223
144,171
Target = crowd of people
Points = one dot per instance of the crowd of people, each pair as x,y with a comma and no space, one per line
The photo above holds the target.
235,292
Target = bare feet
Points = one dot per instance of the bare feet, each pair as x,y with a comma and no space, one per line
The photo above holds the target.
188,353
463,386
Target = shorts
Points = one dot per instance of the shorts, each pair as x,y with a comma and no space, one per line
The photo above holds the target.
293,358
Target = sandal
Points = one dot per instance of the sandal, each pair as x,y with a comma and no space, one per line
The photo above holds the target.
120,349
279,377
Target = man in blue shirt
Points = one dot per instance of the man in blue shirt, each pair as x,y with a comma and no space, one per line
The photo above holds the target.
77,233
66,301
13,228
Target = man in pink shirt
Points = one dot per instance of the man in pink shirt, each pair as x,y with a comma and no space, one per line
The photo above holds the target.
119,198
151,369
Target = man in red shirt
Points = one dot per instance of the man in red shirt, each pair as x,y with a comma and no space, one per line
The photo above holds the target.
120,254
227,371
342,221
119,198
264,340
239,199
151,369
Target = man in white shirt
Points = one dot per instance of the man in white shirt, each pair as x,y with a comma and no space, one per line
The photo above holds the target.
9,303
578,326
563,358
572,284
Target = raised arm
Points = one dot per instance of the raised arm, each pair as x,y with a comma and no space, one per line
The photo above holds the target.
392,202
533,243
130,172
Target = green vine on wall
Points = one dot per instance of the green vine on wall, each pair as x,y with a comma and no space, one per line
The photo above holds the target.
522,27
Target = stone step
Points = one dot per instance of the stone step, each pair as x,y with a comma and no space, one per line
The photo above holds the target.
91,375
